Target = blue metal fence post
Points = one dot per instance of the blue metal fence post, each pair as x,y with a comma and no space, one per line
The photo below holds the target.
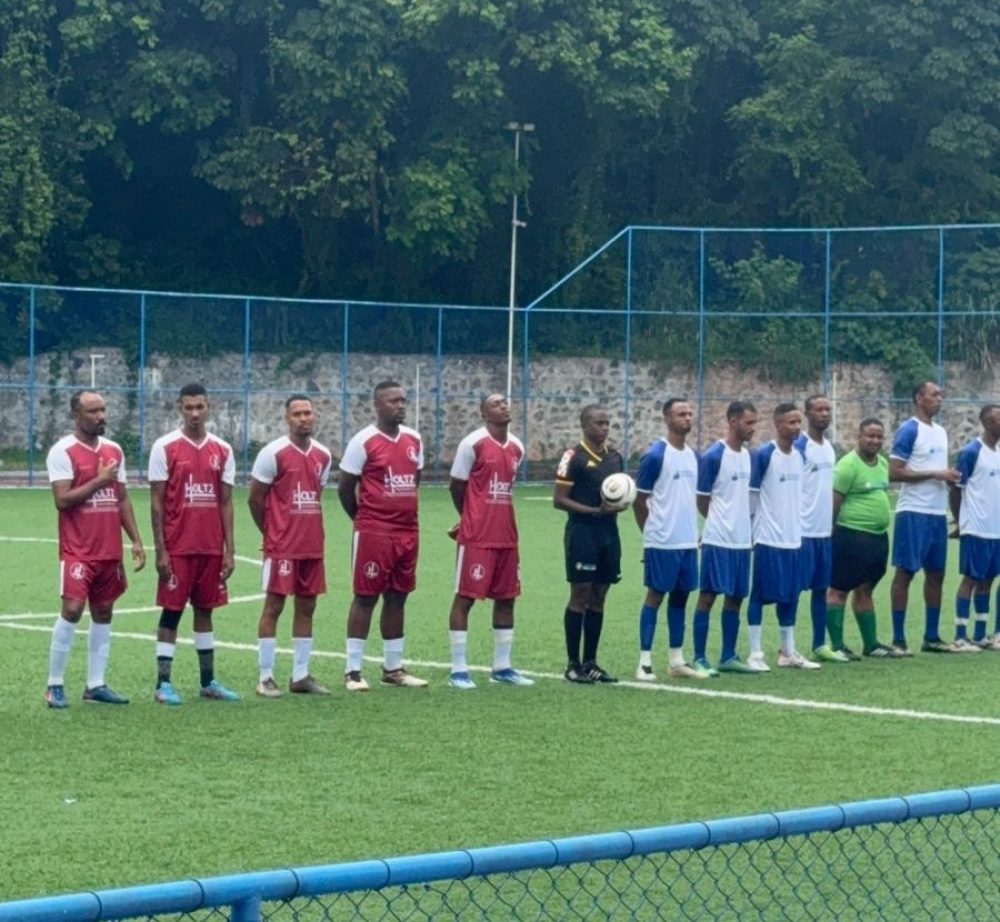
701,332
526,395
940,309
627,434
345,370
142,387
31,386
438,376
246,390
247,910
826,315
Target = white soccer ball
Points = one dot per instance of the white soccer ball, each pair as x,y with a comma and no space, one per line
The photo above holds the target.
618,491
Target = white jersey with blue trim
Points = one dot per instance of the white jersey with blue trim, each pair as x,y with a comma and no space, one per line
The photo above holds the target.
817,486
922,447
980,486
724,475
777,478
670,478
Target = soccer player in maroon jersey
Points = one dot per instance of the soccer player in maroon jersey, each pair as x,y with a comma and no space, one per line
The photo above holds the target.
487,565
87,473
191,477
286,487
379,478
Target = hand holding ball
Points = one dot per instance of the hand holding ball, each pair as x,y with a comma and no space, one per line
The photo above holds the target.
618,491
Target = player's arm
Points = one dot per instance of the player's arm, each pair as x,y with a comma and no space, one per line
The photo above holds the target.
228,531
127,514
457,488
157,491
703,501
257,501
347,493
561,500
640,509
900,473
66,496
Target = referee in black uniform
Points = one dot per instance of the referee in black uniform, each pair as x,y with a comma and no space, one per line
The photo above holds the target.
593,548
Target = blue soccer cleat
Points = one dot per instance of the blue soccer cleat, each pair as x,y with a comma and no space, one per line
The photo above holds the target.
218,692
510,676
103,695
166,694
55,697
461,680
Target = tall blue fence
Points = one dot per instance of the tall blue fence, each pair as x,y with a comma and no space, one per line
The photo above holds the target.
927,856
714,314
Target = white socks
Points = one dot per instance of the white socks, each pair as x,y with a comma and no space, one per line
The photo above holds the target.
63,635
98,649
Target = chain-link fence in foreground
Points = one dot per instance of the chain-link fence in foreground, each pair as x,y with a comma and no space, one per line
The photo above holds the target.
928,856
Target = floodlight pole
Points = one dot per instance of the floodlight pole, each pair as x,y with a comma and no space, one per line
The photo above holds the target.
517,128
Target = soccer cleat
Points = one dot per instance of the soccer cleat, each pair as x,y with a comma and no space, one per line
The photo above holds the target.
597,674
757,663
355,681
645,674
400,678
795,660
307,686
55,697
902,650
461,680
963,645
166,694
705,667
268,688
103,695
574,673
937,645
735,664
510,676
684,671
881,651
216,691
826,654
852,657
992,643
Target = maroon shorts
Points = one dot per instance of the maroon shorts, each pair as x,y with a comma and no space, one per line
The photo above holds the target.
197,577
384,563
99,582
488,572
293,577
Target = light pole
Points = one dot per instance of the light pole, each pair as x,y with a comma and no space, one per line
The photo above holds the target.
518,128
95,357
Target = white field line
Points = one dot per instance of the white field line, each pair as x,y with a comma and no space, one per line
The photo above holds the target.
748,697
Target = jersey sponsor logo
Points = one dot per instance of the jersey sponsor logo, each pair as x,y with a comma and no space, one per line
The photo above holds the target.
371,570
684,473
77,571
284,568
104,499
500,491
305,500
411,453
740,475
199,494
477,572
400,483
563,468
791,478
585,567
215,463
319,469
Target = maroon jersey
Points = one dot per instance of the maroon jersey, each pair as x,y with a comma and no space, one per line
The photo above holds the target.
490,469
91,530
388,468
293,514
194,475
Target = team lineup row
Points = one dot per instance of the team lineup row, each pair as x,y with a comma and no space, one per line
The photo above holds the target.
805,523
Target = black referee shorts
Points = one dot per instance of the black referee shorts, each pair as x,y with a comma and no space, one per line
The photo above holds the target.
858,557
593,553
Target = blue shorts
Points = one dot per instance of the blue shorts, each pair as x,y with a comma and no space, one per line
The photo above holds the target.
815,562
725,570
920,542
777,574
978,558
667,570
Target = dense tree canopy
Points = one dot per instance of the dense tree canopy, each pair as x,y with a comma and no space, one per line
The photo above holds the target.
357,149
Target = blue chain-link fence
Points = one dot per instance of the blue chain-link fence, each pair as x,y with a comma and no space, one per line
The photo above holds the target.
714,314
928,856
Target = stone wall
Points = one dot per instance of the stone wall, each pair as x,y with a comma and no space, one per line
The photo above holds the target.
548,422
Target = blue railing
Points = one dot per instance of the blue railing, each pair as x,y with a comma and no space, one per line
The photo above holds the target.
926,856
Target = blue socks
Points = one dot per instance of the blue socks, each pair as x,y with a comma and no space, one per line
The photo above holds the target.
932,623
675,626
817,608
647,627
700,631
899,627
730,633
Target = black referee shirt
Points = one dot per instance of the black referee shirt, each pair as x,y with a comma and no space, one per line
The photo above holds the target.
585,469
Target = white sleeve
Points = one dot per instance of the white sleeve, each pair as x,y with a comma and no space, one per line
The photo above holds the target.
122,476
465,458
420,456
265,466
158,463
355,457
228,471
325,473
58,463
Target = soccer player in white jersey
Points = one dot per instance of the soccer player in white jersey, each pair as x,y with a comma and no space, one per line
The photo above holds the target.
975,503
487,565
919,461
87,473
379,480
286,504
723,498
666,512
191,478
776,494
817,520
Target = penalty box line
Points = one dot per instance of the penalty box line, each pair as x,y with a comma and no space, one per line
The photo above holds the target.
746,697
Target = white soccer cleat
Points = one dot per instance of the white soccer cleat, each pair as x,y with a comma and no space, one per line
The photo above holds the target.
684,671
645,674
757,662
796,660
965,646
